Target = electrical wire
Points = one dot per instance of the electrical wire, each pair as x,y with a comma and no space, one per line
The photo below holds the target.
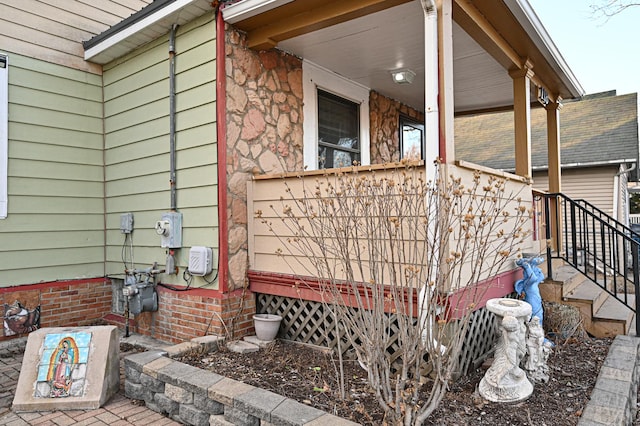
123,253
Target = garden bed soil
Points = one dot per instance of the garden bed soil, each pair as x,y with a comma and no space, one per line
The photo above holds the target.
309,375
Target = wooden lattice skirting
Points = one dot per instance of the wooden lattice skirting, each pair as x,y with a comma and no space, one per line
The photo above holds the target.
309,322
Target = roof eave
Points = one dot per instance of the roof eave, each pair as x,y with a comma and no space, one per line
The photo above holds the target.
159,16
241,10
527,17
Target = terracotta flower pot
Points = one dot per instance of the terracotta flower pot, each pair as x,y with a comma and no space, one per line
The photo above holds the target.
267,326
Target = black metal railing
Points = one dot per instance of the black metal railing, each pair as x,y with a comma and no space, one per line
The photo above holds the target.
601,248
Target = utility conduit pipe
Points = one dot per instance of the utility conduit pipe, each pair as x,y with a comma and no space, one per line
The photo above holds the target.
172,116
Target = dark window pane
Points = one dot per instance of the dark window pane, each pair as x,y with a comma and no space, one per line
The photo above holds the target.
338,130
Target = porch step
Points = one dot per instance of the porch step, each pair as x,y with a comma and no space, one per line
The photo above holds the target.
586,292
615,314
603,315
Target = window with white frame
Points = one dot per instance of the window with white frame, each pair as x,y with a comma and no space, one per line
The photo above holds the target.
4,132
336,125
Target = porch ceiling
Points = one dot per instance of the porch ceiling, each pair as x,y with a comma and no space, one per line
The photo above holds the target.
367,48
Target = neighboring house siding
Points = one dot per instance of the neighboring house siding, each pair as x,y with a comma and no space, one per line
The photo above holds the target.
53,30
54,227
595,185
136,92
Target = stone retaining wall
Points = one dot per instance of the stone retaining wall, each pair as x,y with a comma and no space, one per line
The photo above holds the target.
614,398
193,396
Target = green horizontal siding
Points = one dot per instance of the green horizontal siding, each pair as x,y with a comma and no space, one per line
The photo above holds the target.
53,170
56,188
136,93
197,217
55,205
52,83
28,132
51,101
42,222
143,130
54,228
69,271
38,151
55,119
35,259
33,240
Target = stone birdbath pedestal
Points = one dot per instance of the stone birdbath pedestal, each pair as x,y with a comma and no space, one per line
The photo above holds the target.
505,381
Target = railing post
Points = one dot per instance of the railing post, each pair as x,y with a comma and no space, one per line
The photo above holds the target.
556,224
636,281
548,236
574,237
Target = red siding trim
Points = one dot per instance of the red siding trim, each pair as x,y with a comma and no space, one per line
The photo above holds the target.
500,285
201,292
308,288
51,284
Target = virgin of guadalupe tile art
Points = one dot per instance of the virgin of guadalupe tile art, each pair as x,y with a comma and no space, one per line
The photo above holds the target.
63,366
20,320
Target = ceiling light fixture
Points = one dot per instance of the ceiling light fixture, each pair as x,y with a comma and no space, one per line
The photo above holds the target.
403,76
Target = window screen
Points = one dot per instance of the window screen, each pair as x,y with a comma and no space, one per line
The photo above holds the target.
338,130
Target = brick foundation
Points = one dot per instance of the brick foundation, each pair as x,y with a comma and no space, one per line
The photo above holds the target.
184,315
63,303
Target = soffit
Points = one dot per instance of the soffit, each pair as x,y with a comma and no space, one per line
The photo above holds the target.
368,47
153,21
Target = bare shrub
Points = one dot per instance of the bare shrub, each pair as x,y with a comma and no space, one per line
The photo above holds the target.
387,248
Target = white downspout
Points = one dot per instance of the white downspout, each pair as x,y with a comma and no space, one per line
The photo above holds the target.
618,214
431,84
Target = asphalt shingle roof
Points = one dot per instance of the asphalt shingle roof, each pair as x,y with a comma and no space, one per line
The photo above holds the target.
595,130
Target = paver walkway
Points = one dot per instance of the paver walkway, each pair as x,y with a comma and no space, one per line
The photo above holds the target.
119,411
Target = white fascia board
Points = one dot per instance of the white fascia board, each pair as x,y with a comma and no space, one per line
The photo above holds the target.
526,15
590,164
247,8
135,28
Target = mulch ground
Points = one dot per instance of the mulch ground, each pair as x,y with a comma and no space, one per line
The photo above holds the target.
309,375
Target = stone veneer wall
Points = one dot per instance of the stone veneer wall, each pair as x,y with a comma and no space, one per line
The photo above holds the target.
384,116
264,131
